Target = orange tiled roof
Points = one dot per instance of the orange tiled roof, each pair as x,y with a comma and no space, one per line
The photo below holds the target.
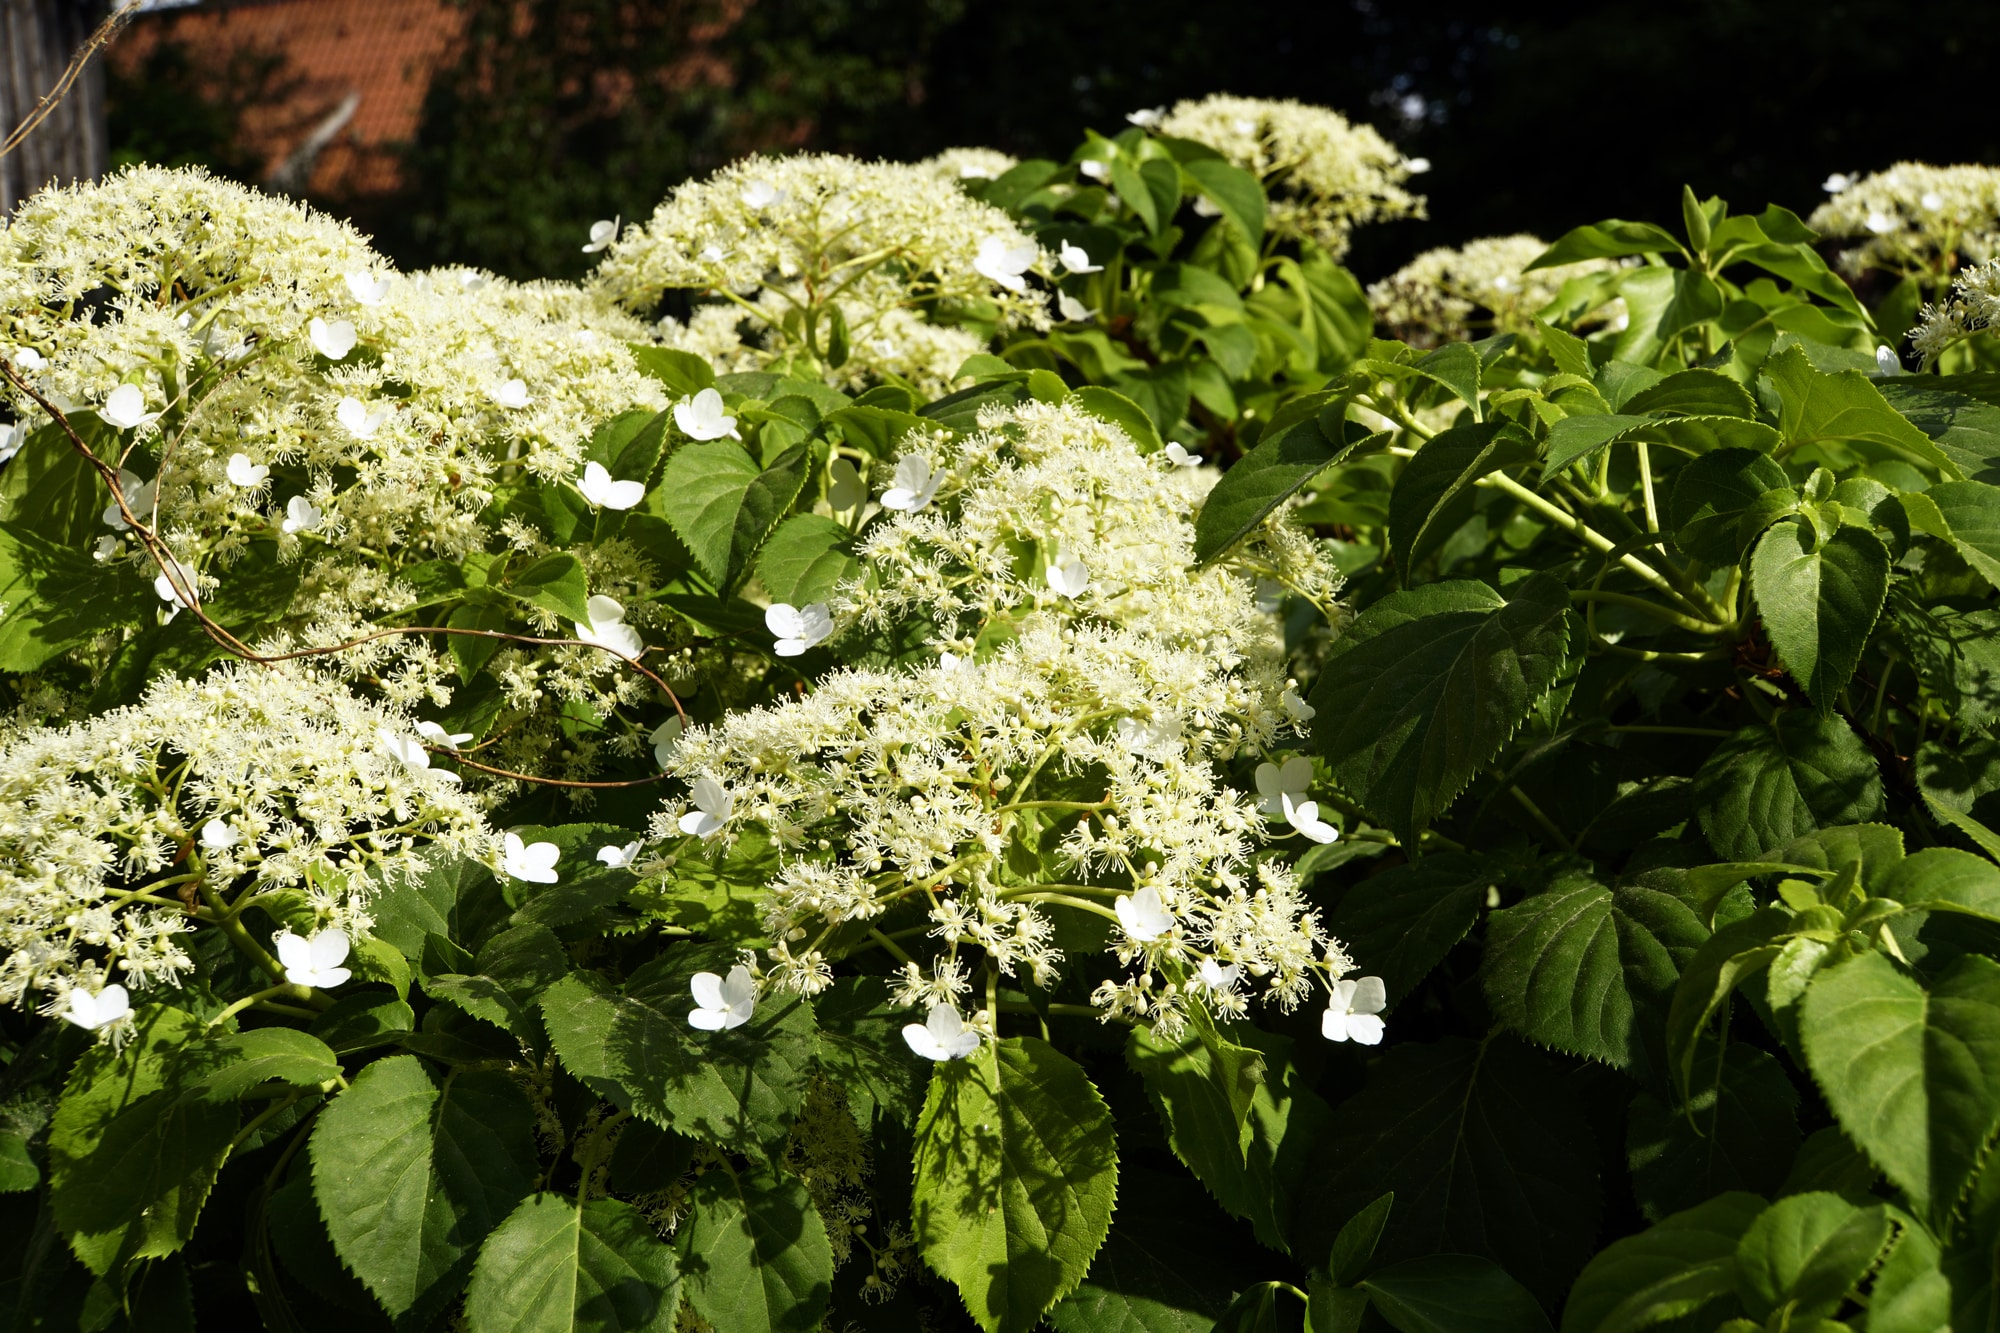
381,52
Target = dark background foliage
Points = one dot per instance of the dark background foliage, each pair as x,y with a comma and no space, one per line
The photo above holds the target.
562,111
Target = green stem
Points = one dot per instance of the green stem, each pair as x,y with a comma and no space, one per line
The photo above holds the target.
1654,609
1535,813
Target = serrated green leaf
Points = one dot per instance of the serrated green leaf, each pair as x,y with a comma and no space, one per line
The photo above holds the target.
1422,514
1202,1084
1402,922
754,1253
1235,191
1819,601
808,556
702,489
1016,1174
861,1048
1964,428
1815,407
1684,1264
1574,966
53,598
1606,240
1281,465
1765,786
411,1176
1694,393
1711,495
1457,367
1156,1272
1447,1126
1971,511
1574,439
556,1267
1739,1131
1944,879
555,583
765,501
1911,1072
1426,686
1453,1293
738,1089
1354,1248
683,373
1806,1253
1121,412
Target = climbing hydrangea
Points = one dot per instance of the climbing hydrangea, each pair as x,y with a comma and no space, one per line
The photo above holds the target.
1448,294
1914,219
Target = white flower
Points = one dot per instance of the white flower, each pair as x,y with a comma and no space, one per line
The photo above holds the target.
1076,259
942,1036
92,1012
12,437
762,194
301,515
512,393
602,234
1931,200
1351,1013
713,804
534,862
1093,169
618,858
168,592
242,472
1073,310
798,628
216,835
1154,737
437,735
712,254
1417,166
703,417
1880,223
1304,816
1146,117
107,546
125,408
607,628
666,740
1067,576
366,288
846,489
411,752
1887,362
314,962
1214,976
332,341
1275,783
953,662
1003,263
601,490
1178,455
360,422
1298,709
720,1004
1205,207
1142,914
27,358
913,486
1837,182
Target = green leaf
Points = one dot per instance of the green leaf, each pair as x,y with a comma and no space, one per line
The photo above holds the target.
1572,966
1016,1173
1767,785
1684,1264
1332,308
1457,367
1606,240
1739,1131
875,429
556,1267
1912,1074
765,502
1964,429
703,489
1448,1128
1971,509
1156,1272
1574,439
1121,412
17,1169
1453,1293
1354,1248
1710,497
683,373
808,556
1736,952
137,1140
1570,353
1281,465
738,1089
1426,686
1694,393
1235,191
53,598
1403,921
1421,513
1806,1253
1202,1084
555,583
754,1253
1819,601
1944,879
411,1176
1815,407
861,1048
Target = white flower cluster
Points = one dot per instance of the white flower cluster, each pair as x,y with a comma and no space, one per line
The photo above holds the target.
1913,218
121,834
901,253
1324,174
1973,307
1448,295
964,164
1064,753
